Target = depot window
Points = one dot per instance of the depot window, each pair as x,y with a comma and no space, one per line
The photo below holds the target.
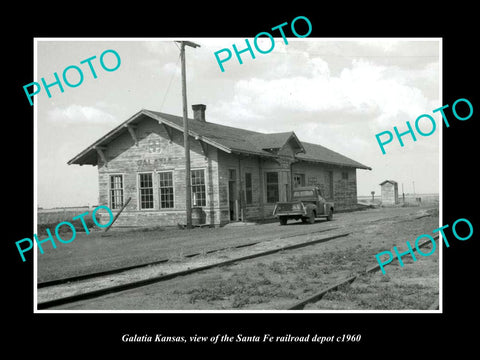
116,191
146,190
272,187
298,180
198,188
166,190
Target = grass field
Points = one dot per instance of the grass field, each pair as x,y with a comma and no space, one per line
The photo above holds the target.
49,219
293,275
413,286
408,200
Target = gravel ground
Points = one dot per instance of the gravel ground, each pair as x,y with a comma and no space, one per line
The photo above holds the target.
275,282
174,265
412,287
96,252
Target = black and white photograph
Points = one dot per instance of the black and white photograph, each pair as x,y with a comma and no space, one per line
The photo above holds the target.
240,180
287,189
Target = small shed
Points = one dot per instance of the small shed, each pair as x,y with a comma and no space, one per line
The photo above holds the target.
389,192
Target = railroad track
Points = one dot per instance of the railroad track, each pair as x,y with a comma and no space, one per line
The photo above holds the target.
299,305
135,284
87,276
77,278
120,270
159,278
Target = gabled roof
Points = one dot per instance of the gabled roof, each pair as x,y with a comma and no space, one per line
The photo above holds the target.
225,138
319,153
233,139
275,141
393,182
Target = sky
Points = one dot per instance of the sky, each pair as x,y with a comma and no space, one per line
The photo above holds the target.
338,93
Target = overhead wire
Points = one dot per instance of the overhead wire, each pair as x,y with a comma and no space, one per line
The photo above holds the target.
171,79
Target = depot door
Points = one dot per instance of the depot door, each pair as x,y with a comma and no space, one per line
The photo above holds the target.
329,194
232,195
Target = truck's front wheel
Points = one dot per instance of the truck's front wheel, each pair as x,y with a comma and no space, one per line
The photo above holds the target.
311,218
283,220
330,215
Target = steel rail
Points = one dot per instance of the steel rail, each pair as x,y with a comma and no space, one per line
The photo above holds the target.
87,276
132,267
317,296
139,283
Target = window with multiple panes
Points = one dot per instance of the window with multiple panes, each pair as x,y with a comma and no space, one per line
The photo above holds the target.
198,188
146,190
166,190
298,180
116,191
248,188
272,187
344,175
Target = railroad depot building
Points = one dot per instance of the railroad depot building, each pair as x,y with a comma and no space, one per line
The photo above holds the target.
236,174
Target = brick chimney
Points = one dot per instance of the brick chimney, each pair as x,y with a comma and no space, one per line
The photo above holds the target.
199,112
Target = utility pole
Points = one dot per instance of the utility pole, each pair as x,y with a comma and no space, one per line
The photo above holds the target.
186,143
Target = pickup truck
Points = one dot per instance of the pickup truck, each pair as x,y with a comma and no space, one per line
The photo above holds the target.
307,204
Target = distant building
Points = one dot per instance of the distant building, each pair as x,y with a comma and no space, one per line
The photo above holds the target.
236,174
389,192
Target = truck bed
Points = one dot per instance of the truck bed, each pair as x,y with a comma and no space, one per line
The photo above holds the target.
289,208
